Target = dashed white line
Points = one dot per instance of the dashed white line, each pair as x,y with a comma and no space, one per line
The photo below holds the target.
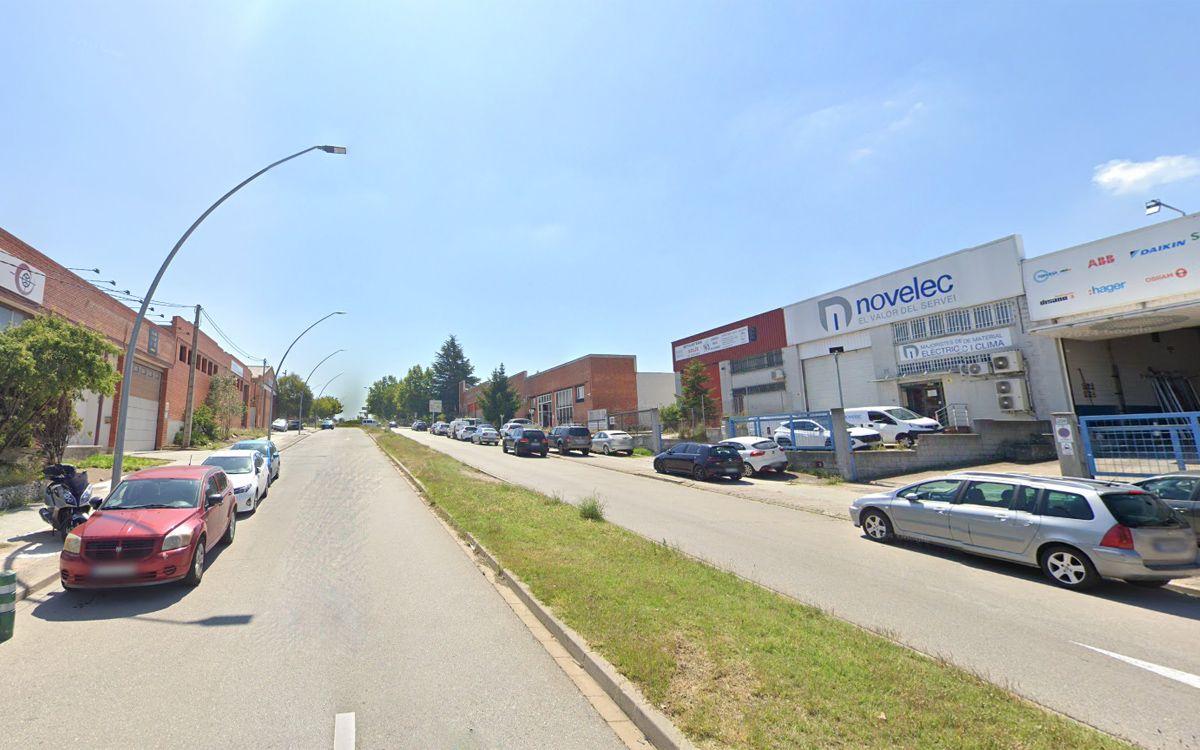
343,732
1187,678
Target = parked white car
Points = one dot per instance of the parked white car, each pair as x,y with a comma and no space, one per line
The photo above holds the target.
811,434
518,422
452,430
464,431
613,441
895,423
758,454
485,436
279,425
248,473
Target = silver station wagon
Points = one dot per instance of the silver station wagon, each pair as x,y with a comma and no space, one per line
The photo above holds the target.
1077,531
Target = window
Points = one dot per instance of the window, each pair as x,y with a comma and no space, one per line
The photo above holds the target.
765,445
976,318
579,394
10,317
1066,505
1140,510
564,407
943,490
763,388
182,353
1172,488
989,494
1026,500
757,362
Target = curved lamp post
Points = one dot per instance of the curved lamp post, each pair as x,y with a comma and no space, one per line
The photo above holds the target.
279,372
327,382
310,374
131,349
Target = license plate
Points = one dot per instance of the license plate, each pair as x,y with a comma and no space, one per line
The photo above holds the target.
1170,545
114,571
534,442
733,472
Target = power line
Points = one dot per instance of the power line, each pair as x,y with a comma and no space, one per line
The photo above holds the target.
225,337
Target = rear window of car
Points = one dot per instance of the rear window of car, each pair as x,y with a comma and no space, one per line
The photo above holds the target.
532,433
723,451
766,445
578,431
617,433
1139,510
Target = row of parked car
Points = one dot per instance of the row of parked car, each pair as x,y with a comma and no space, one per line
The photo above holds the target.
159,524
283,425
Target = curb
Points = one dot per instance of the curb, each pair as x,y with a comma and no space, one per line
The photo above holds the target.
651,722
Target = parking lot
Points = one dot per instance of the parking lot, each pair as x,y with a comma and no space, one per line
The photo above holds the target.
1110,658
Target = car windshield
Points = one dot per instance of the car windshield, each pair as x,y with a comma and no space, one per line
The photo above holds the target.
578,431
900,412
616,434
231,464
1139,510
533,434
154,493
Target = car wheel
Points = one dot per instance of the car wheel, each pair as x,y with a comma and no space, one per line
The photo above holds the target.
658,467
905,441
543,454
196,567
629,452
699,474
266,491
606,450
1148,584
504,447
747,469
585,451
1069,568
562,449
877,527
231,529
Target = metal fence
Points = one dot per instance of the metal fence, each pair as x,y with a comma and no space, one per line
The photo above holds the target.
1138,445
644,425
765,425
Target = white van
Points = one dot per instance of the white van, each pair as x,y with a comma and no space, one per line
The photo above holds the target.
895,423
452,430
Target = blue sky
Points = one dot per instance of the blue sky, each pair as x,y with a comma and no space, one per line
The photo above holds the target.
638,171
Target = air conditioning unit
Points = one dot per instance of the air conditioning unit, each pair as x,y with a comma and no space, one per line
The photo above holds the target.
1007,362
1011,396
976,369
777,375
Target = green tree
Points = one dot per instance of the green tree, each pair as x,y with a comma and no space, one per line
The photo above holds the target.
497,399
288,390
326,406
414,391
696,405
450,367
669,416
44,362
55,429
225,399
380,395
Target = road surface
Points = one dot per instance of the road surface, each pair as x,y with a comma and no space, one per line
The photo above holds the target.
1002,621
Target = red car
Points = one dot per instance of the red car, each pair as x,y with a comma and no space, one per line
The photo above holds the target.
156,526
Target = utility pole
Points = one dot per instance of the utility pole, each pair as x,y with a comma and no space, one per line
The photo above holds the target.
187,408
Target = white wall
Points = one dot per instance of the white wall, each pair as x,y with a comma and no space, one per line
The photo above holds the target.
655,389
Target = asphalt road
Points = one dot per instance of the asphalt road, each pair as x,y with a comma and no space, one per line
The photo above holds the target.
342,594
1002,621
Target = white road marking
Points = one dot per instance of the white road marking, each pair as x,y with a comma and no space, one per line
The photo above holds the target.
1186,678
343,732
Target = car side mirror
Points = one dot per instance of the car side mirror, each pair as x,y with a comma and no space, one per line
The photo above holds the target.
912,497
96,502
214,499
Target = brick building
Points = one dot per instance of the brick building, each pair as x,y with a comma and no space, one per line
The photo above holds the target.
744,363
567,393
31,283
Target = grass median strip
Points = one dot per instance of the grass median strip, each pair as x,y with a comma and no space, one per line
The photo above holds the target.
732,664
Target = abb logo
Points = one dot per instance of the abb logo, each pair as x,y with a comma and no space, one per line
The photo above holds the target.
1103,260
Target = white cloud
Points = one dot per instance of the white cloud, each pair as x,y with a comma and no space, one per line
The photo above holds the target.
1121,176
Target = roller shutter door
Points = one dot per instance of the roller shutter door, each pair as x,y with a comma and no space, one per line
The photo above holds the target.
858,375
141,419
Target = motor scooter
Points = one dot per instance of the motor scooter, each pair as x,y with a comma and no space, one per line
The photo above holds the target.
67,498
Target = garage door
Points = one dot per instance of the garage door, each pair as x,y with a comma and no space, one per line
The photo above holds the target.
141,419
858,374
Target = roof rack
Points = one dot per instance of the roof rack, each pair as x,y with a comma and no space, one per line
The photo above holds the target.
1085,481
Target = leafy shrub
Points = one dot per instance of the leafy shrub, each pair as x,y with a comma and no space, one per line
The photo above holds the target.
591,509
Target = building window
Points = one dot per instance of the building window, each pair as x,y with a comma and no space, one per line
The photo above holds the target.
564,407
976,318
542,409
182,353
10,317
764,388
579,394
757,362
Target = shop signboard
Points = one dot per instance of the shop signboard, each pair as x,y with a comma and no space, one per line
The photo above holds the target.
1140,266
21,278
951,346
962,279
716,342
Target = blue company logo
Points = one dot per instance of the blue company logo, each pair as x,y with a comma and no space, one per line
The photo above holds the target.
829,308
1107,288
1143,251
1044,275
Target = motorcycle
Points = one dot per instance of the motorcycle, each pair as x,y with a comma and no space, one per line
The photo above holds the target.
67,499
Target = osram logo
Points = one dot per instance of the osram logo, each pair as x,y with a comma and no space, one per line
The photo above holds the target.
1178,273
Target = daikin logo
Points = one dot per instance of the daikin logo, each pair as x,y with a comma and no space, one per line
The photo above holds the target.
1160,248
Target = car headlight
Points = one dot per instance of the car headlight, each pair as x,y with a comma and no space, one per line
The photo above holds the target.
180,537
242,489
72,543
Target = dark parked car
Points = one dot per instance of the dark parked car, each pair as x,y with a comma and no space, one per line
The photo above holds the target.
326,424
567,438
700,461
419,426
1181,491
525,441
293,424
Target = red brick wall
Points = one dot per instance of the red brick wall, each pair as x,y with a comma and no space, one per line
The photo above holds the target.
210,352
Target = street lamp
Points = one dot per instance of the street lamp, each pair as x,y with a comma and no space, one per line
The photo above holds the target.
310,374
327,382
131,349
279,372
1154,206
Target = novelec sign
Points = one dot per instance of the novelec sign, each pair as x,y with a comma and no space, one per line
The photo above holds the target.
968,277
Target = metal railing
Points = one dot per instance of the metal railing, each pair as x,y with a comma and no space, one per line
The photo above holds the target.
954,417
1138,445
765,425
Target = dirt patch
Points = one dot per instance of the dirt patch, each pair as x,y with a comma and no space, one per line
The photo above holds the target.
709,687
470,473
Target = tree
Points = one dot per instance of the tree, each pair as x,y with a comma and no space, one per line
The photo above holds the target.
695,404
43,362
450,367
497,399
57,426
669,416
414,391
326,406
288,390
380,395
225,399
